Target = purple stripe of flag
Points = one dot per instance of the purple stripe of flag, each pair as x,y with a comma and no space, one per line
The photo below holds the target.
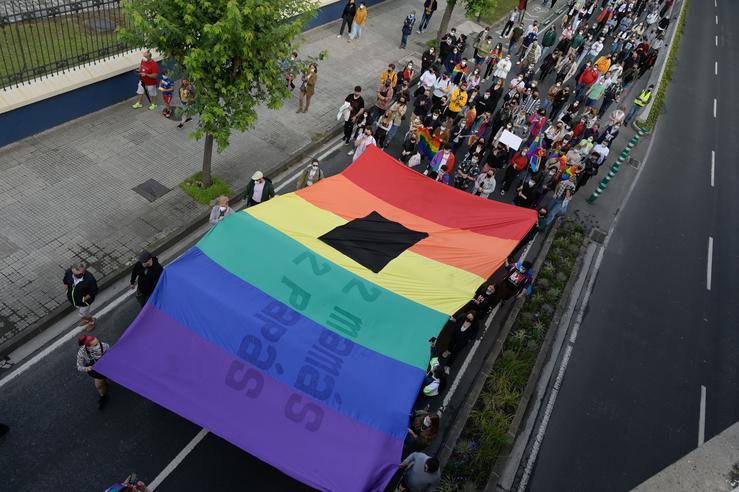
172,366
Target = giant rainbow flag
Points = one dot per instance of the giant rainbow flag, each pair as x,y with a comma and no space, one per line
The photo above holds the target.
298,329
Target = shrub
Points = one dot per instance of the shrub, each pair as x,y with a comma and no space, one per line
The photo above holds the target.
193,187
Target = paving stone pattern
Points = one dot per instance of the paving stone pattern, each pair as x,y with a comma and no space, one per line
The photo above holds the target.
66,194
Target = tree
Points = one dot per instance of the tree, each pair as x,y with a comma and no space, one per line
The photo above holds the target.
472,8
232,51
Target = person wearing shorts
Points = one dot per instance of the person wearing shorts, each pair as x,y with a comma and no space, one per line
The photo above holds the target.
148,73
166,87
92,350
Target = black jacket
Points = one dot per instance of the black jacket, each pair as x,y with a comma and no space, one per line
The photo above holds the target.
147,278
267,192
75,293
349,10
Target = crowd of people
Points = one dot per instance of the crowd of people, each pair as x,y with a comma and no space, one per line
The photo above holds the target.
531,109
533,113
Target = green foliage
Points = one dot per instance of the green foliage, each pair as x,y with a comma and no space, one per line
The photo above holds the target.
659,97
486,430
490,12
193,187
230,50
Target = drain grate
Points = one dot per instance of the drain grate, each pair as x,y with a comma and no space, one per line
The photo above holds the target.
598,236
151,189
634,163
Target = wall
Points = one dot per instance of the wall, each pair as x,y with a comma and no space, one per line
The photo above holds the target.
43,104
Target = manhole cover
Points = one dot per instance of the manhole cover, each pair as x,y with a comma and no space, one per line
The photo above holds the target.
634,163
598,236
151,189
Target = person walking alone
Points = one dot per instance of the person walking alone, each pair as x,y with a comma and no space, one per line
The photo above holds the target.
407,29
147,270
92,350
81,290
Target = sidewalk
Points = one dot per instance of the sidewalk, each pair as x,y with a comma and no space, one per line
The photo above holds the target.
66,194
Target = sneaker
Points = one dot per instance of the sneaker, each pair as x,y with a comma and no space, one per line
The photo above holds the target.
351,152
502,193
137,105
180,125
152,107
102,401
338,35
447,370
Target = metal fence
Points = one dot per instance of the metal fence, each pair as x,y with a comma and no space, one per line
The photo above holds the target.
41,37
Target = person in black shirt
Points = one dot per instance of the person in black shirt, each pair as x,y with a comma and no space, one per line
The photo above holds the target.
145,275
356,109
81,290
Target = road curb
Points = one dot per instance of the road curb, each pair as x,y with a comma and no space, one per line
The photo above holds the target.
462,415
530,402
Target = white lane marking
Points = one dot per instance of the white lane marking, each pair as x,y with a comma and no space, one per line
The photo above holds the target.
713,165
471,354
717,20
62,340
714,106
295,176
715,67
702,418
709,264
716,39
177,460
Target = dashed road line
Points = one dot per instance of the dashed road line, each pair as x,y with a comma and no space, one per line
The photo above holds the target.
709,263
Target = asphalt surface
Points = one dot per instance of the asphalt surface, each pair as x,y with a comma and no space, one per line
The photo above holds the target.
58,438
654,334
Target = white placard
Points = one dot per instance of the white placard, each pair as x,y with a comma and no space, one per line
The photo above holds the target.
510,140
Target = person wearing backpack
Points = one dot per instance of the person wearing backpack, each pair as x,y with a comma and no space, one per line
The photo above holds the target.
407,29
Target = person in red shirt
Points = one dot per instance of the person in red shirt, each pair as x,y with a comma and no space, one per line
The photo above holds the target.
148,74
587,78
517,165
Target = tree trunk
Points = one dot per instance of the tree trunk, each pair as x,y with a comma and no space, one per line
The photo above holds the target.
207,159
444,26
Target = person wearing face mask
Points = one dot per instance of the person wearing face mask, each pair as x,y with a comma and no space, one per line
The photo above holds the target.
362,142
503,67
81,290
515,168
526,193
424,427
384,98
310,175
485,184
307,88
465,331
433,121
443,157
258,190
410,147
146,273
467,172
397,112
220,211
92,350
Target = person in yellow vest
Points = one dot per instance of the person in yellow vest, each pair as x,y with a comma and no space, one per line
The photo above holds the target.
639,103
360,18
457,101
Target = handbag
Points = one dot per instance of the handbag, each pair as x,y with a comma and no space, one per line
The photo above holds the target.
415,160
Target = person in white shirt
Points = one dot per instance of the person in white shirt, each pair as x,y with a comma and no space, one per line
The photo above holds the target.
361,143
602,150
428,79
485,184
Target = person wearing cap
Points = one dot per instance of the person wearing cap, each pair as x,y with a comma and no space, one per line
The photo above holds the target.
145,275
220,211
258,190
81,290
92,350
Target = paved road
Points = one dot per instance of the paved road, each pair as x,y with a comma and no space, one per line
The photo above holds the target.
654,333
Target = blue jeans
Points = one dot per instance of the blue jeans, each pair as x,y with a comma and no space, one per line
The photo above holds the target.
424,21
356,31
635,110
403,40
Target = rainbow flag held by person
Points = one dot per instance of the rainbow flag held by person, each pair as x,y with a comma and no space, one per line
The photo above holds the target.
535,153
428,145
298,329
478,130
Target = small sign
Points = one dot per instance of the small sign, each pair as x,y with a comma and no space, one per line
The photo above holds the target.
510,140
